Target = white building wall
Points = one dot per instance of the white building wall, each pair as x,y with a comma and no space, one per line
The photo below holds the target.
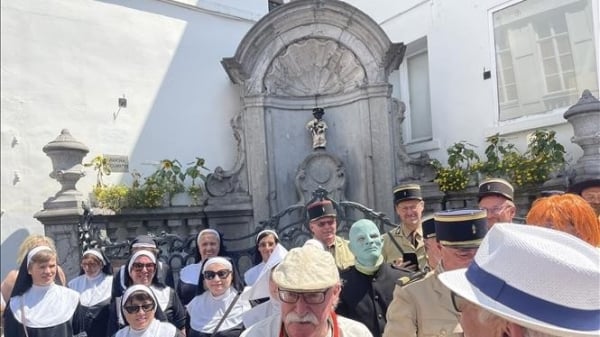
65,63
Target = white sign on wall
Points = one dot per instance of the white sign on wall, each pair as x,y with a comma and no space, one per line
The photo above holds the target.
117,163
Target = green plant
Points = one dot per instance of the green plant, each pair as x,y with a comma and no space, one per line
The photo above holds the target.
102,168
113,197
463,161
168,178
543,156
194,171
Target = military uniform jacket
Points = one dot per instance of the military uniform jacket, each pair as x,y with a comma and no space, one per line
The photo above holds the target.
341,253
365,298
390,252
424,309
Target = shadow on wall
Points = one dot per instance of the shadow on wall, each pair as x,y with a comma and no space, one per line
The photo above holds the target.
10,249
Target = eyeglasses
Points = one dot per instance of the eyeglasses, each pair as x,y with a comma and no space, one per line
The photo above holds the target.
138,266
494,211
89,265
458,301
308,298
132,309
223,273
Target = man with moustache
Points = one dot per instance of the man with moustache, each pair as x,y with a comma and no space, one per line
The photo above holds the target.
309,288
323,225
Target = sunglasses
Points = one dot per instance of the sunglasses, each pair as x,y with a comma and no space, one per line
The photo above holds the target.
138,266
132,309
223,273
309,298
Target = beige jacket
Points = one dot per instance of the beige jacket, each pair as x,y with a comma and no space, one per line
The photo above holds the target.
390,252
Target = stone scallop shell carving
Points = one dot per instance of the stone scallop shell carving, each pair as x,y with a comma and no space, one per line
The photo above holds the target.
314,67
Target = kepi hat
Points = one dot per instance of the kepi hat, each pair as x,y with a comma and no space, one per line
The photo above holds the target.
306,269
496,186
539,278
319,209
407,192
462,228
428,225
578,187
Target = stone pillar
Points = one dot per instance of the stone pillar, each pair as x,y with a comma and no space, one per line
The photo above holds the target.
585,118
62,213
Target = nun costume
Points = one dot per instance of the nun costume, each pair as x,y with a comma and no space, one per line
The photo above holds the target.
38,307
94,286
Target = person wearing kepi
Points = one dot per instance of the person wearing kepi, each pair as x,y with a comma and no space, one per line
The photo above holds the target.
407,238
94,286
309,287
431,246
369,284
323,225
528,281
424,307
38,307
496,197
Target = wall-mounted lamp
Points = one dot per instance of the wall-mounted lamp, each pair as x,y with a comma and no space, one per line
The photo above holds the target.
122,104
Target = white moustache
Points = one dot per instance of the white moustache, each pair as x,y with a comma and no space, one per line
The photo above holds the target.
292,317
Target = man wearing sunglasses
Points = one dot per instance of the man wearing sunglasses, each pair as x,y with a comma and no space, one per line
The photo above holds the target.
323,225
309,287
424,308
496,197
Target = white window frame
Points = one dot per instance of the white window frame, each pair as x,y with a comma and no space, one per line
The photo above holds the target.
528,122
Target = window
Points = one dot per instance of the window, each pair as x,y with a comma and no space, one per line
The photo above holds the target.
414,92
545,55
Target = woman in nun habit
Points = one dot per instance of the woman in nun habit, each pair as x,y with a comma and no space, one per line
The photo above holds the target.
38,307
94,286
139,308
141,269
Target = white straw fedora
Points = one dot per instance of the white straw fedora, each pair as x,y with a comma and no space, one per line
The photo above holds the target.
539,278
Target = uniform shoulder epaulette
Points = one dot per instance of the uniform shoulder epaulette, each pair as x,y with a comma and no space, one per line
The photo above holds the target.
416,276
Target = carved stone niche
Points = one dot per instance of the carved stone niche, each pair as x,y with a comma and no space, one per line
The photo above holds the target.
314,67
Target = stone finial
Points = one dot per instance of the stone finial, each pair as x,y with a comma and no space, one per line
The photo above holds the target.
587,103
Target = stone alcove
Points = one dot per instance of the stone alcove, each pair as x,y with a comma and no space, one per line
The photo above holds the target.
308,54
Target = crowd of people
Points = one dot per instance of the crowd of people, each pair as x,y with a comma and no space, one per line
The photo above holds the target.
465,272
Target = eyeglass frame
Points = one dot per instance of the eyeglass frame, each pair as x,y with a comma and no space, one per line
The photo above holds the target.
280,293
139,266
134,309
495,210
222,274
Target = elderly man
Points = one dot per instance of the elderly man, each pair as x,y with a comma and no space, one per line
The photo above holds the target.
424,307
309,289
369,284
519,286
496,197
323,225
407,238
590,191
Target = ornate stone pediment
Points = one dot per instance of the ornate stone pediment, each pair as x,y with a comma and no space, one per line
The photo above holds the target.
314,67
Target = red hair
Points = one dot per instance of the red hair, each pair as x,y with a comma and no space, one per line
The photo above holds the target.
564,212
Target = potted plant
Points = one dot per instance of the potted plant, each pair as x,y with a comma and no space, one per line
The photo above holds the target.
195,172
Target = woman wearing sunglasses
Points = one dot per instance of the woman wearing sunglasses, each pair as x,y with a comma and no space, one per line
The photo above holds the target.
94,285
217,309
139,308
141,270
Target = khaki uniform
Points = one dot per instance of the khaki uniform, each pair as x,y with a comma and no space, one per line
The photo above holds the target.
390,252
341,253
424,309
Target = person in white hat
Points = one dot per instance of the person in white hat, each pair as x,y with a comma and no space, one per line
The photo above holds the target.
528,281
309,287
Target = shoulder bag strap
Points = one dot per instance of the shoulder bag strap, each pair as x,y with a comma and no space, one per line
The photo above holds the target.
226,313
389,233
